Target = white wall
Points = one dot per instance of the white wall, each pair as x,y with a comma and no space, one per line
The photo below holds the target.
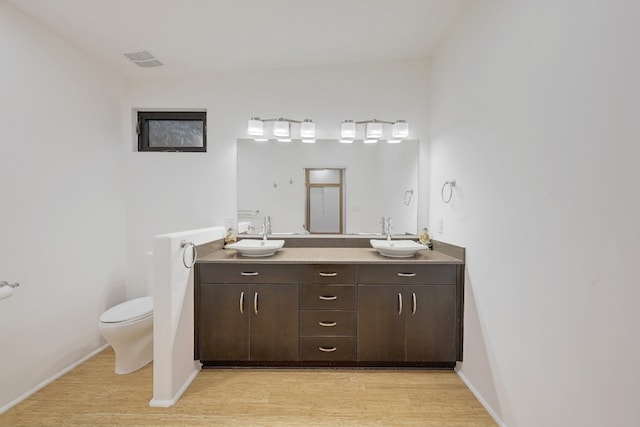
535,111
61,203
180,191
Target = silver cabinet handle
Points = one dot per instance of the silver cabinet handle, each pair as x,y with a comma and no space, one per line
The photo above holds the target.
327,349
249,273
255,303
241,302
399,303
327,324
328,297
414,303
407,274
328,274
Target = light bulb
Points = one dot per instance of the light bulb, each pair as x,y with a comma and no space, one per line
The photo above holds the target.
281,128
348,129
307,129
255,127
374,130
400,129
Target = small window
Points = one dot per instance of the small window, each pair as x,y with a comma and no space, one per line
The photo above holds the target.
172,131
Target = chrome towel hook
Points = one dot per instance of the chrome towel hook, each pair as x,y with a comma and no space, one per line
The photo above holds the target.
451,184
194,253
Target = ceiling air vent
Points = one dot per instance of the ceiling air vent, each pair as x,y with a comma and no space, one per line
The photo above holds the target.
143,59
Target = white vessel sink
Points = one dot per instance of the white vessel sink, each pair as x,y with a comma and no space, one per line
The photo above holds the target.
397,248
257,247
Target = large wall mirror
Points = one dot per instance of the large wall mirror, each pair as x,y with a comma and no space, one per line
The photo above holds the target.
376,180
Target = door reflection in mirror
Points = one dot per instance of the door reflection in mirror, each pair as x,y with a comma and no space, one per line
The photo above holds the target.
325,200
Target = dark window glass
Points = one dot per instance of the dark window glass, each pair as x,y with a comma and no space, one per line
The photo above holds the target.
172,131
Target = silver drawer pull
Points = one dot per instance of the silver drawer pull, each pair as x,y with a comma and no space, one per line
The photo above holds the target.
328,274
328,297
249,273
327,324
414,301
407,274
328,349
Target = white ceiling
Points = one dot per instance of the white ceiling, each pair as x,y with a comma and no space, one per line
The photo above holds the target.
191,36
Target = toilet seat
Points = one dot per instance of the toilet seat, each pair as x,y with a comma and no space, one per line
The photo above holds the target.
129,311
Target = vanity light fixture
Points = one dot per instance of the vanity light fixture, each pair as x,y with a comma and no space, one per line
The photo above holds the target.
309,140
346,140
281,128
374,130
284,139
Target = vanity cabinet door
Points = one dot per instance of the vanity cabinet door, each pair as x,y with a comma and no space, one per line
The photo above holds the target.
381,323
223,330
431,323
274,323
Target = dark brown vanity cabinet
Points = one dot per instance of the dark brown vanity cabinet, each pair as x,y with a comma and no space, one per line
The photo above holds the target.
328,314
247,312
407,313
328,301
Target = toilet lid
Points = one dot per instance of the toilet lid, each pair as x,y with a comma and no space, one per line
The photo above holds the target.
134,309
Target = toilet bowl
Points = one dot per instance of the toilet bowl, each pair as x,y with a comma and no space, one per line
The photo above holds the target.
128,328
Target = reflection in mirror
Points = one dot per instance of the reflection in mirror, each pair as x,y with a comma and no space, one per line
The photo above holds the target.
378,180
325,200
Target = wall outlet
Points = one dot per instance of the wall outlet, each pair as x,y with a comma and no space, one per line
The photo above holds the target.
441,225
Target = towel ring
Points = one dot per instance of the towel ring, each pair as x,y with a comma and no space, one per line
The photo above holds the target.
194,253
451,184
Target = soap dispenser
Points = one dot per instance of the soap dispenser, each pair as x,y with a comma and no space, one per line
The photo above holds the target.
231,237
425,239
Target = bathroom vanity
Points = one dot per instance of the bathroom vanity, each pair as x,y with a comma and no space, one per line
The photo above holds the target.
329,302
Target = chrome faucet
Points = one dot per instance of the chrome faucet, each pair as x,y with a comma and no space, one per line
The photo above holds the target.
266,227
386,226
389,227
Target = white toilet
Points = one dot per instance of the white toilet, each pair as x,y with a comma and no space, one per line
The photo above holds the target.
128,328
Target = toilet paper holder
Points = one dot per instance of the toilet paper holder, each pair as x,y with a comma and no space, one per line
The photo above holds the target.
11,285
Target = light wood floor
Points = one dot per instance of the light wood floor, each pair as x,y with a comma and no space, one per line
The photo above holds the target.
92,395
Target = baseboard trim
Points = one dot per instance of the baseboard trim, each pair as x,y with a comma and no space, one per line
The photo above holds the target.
165,403
483,402
51,379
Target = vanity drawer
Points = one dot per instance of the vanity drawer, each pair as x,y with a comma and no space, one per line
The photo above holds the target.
328,273
317,323
407,274
248,273
328,297
328,348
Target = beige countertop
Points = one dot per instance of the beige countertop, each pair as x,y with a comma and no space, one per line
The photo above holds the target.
328,255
